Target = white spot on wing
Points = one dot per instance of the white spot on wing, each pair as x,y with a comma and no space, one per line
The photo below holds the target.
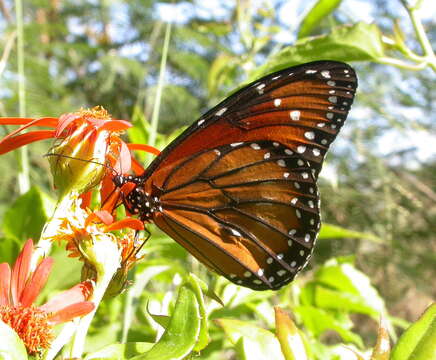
310,135
200,122
277,102
236,232
301,149
221,111
326,74
255,146
294,115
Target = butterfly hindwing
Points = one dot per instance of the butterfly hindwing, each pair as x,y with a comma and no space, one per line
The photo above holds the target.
249,211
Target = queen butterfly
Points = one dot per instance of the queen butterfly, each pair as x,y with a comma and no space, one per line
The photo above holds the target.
238,188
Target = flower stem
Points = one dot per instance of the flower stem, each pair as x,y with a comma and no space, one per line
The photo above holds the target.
160,85
51,228
106,258
82,329
22,156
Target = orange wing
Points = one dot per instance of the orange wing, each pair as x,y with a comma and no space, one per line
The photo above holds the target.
238,188
248,210
302,107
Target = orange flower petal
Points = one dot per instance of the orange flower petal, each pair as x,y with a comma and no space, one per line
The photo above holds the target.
146,148
86,199
21,271
127,222
46,121
76,294
51,122
124,163
104,216
24,139
37,282
64,121
70,312
137,168
5,282
115,125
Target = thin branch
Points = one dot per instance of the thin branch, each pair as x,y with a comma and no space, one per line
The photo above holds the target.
7,50
23,161
402,64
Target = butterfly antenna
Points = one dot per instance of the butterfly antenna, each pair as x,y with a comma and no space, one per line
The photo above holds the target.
84,160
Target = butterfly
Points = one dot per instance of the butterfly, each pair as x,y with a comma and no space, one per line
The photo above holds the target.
238,188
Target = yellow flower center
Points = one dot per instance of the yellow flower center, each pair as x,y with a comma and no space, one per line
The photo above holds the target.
31,324
97,112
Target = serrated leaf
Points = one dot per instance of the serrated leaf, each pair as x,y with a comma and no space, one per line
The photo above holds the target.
182,332
27,215
319,11
251,340
120,351
11,346
419,341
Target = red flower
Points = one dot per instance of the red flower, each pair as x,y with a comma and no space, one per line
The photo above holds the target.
20,287
85,138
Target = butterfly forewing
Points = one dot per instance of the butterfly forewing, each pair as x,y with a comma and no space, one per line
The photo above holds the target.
303,107
238,188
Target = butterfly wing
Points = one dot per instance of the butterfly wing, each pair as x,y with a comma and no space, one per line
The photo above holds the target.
238,188
303,107
247,210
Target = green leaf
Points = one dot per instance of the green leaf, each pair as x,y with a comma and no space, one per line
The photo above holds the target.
329,231
9,249
419,341
11,346
251,342
346,278
183,330
120,351
27,215
318,321
319,11
360,42
203,336
339,300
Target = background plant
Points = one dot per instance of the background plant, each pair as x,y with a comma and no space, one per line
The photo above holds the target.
378,181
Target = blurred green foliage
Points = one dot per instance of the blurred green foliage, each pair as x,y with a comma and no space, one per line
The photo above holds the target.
378,186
